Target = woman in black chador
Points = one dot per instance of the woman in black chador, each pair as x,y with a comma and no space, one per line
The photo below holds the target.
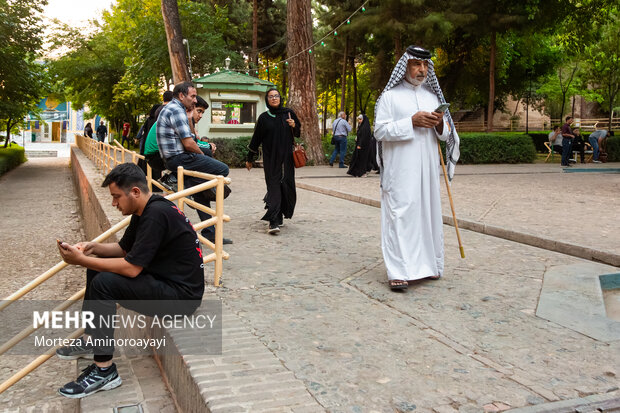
361,161
275,131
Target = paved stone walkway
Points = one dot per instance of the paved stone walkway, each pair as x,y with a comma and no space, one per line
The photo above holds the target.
38,205
316,295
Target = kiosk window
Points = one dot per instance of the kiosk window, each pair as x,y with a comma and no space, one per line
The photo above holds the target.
233,112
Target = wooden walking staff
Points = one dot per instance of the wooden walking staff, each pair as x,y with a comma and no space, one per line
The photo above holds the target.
445,175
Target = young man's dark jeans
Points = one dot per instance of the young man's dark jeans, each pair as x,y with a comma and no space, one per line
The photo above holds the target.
339,148
566,150
144,294
199,163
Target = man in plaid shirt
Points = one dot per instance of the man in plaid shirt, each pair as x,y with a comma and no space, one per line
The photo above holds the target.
178,148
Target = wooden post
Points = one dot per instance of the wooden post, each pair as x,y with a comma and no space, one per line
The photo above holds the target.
219,231
180,186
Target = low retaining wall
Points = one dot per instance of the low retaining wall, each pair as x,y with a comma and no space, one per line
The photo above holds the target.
95,201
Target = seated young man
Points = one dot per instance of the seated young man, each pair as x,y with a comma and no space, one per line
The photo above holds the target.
555,139
158,258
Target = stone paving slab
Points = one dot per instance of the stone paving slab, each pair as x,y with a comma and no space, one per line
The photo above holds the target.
572,297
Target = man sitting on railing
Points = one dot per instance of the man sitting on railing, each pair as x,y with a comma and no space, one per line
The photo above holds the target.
178,148
158,259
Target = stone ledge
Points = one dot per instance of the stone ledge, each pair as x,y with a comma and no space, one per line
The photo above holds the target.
596,403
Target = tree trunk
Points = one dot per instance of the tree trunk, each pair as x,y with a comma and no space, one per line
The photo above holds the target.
9,126
254,56
283,90
398,48
344,74
302,80
325,102
336,97
174,35
491,108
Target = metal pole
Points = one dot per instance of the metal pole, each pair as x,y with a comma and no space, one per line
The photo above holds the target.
189,58
527,110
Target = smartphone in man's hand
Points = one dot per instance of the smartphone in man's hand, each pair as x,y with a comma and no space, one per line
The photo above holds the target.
442,108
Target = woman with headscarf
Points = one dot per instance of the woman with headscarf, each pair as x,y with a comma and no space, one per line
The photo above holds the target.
88,131
276,130
360,161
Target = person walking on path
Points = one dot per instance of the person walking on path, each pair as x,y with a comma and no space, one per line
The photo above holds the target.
567,139
407,127
275,131
102,132
155,269
125,134
341,129
360,161
88,131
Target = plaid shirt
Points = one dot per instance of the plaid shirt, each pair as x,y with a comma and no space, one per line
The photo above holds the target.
172,126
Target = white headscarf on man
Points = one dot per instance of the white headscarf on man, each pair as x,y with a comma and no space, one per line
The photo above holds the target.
398,74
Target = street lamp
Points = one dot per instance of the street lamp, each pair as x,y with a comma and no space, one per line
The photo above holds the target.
189,59
227,62
528,72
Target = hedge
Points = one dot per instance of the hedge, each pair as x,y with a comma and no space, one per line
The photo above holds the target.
613,149
479,148
539,139
476,148
11,157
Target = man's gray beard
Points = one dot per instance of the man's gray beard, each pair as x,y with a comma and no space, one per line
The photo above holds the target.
414,81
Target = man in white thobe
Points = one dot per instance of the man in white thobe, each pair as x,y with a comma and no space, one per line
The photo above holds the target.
407,126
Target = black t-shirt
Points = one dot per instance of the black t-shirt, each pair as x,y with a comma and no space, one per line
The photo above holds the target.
164,243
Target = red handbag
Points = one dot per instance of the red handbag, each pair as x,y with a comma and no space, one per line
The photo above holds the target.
299,155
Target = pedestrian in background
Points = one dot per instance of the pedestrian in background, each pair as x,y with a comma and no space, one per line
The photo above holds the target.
341,129
360,161
567,139
102,132
88,131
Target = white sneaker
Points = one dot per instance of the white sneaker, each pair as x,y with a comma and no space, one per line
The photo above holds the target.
597,161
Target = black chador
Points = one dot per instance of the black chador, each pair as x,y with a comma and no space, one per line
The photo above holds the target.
361,161
277,138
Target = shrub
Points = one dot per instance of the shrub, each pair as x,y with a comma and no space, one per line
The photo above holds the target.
232,151
11,157
613,149
479,148
539,139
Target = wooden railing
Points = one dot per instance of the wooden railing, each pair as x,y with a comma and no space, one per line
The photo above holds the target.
106,157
